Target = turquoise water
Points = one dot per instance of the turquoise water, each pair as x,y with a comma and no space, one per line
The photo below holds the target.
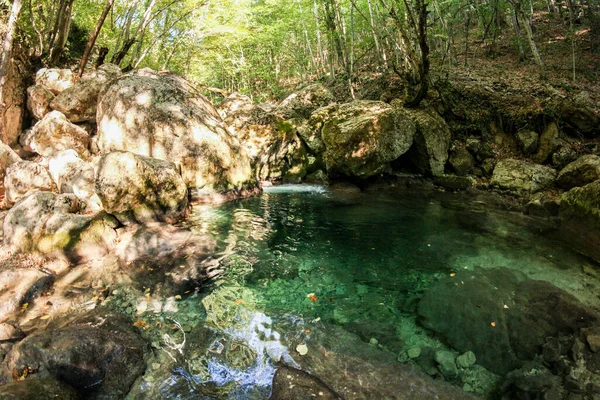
298,258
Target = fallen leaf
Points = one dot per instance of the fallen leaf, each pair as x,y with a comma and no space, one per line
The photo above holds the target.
140,324
493,324
178,297
312,297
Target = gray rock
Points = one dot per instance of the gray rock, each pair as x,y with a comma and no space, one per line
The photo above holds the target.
139,188
548,144
454,182
7,158
521,176
579,173
465,360
53,134
80,101
542,205
23,177
55,80
38,101
445,360
302,103
73,175
563,156
361,137
528,141
461,161
38,389
19,286
429,152
174,123
413,352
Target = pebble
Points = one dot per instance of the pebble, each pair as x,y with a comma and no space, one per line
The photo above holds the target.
414,352
466,360
374,341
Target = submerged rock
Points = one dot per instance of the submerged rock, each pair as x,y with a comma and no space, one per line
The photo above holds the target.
361,137
579,173
161,115
53,134
135,188
521,176
23,177
79,102
100,355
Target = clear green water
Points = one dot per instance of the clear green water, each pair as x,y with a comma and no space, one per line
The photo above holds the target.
358,261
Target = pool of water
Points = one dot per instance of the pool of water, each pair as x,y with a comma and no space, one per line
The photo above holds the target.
302,259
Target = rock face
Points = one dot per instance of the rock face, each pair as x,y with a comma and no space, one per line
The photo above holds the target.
38,101
579,173
45,222
99,355
79,102
432,142
361,137
73,175
500,316
24,177
161,115
54,80
521,176
137,188
53,134
303,102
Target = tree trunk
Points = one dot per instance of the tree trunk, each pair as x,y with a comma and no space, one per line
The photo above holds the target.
8,45
92,41
421,8
530,39
61,32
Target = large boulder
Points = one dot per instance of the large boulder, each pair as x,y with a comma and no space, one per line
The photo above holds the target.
71,174
586,169
580,215
38,101
548,144
161,115
24,177
361,137
528,141
429,152
100,355
275,150
300,104
521,176
54,79
79,102
47,223
501,316
461,161
53,134
136,188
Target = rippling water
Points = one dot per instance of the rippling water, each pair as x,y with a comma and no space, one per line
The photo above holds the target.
358,261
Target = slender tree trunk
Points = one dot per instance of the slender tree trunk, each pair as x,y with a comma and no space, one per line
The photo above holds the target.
61,33
7,46
530,39
92,41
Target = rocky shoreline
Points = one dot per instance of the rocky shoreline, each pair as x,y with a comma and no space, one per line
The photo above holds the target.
112,162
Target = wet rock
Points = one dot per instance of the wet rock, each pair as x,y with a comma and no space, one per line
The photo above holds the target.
528,141
53,134
23,177
454,182
542,205
466,360
521,176
80,101
38,101
446,364
461,161
429,152
173,122
302,103
73,175
293,384
55,80
135,188
579,173
45,222
17,287
100,355
318,177
361,137
38,389
548,144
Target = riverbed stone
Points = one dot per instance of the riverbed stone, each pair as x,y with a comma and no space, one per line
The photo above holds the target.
54,79
38,389
446,364
293,384
53,134
24,177
100,354
429,152
142,189
528,141
38,101
161,115
80,101
461,161
586,169
361,137
466,359
521,176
